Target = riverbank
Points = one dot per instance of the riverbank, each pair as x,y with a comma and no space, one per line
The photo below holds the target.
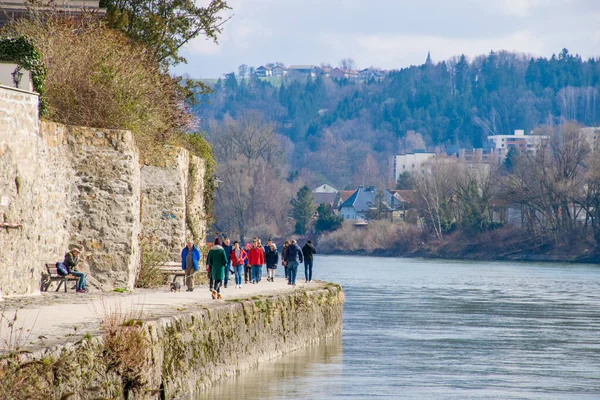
432,254
156,344
496,245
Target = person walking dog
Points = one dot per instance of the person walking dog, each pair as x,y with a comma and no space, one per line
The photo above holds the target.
190,256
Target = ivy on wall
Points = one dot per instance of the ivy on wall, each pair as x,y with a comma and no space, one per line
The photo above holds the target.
22,51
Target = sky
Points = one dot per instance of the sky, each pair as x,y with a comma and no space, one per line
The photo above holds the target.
390,34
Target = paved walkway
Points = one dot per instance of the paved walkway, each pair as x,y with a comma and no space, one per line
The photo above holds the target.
55,318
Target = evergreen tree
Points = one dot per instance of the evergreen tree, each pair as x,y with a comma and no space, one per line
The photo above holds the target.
303,210
327,221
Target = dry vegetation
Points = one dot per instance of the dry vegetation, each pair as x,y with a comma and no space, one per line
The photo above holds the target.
153,255
377,236
126,346
98,77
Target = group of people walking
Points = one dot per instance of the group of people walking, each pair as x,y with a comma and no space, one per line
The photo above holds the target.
246,262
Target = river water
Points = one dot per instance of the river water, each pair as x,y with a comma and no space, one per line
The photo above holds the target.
431,329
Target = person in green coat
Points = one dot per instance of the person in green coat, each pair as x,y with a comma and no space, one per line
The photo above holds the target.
217,260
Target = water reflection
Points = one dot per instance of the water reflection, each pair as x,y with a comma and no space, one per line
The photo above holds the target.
309,373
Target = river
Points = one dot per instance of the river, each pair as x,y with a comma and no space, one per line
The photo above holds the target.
430,329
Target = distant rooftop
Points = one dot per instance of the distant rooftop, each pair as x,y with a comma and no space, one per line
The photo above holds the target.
301,67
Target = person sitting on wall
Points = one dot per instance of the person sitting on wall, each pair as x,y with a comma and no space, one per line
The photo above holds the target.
190,256
71,261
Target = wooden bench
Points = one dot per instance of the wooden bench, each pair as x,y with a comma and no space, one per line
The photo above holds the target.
53,276
172,268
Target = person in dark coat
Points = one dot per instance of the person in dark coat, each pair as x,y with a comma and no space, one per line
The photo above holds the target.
284,258
268,246
271,259
308,251
227,247
293,257
217,260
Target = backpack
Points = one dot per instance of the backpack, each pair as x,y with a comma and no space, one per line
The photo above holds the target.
61,269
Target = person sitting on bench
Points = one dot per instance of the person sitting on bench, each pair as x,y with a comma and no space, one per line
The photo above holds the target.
71,261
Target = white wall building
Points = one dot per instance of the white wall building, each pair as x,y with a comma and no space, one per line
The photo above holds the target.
410,162
591,134
325,189
520,141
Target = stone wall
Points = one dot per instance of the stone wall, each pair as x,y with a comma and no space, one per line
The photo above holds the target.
172,200
71,184
35,182
105,201
176,357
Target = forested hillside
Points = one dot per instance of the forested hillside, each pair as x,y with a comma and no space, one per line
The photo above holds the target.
345,132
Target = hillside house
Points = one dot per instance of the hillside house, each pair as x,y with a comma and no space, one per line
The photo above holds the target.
370,74
340,73
325,189
356,205
303,70
263,71
279,70
337,73
327,194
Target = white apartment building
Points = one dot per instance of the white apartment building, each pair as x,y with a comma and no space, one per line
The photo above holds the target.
410,162
522,142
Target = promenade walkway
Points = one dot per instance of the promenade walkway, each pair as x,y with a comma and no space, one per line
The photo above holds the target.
56,318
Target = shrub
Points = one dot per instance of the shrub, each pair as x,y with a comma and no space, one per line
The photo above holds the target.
377,235
153,255
126,347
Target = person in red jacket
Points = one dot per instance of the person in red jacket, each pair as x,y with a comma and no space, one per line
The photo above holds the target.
256,258
238,259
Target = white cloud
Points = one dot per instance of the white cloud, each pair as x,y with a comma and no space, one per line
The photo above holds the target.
393,33
519,8
393,51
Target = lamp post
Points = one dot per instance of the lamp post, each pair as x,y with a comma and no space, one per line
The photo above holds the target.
17,75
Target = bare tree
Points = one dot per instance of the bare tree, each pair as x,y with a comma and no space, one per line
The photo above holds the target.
410,142
250,164
347,64
242,71
550,184
367,172
435,190
248,135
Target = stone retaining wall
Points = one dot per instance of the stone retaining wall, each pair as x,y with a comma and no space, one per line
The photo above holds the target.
177,357
172,200
35,183
66,184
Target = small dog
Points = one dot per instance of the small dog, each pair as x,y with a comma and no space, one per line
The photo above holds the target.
175,286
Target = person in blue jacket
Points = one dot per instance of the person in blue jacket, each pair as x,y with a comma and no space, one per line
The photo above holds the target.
190,256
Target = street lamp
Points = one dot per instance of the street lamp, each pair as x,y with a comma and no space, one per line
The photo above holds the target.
17,75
